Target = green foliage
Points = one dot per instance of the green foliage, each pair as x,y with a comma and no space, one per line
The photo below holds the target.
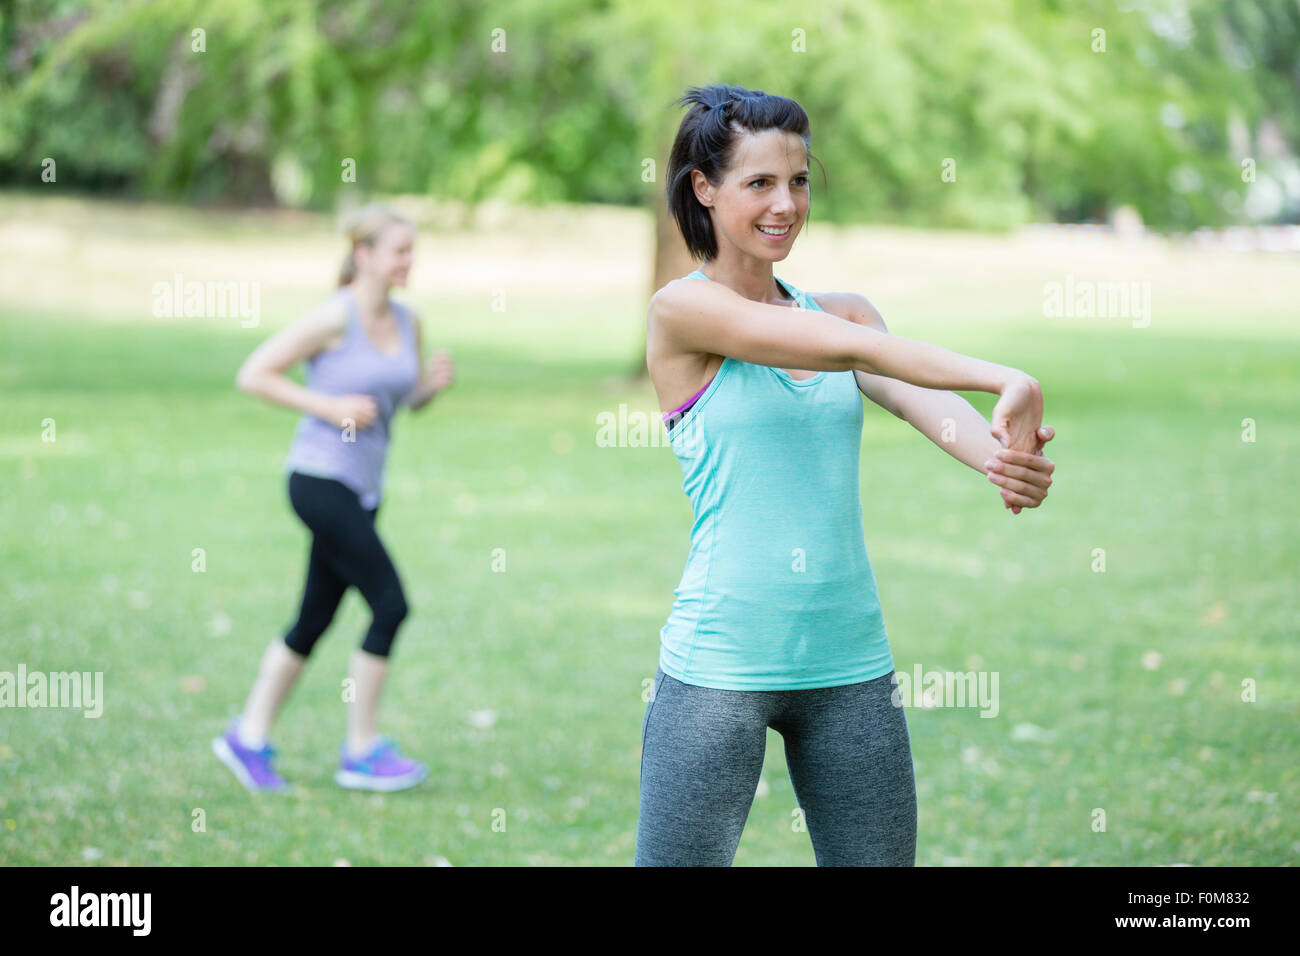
564,100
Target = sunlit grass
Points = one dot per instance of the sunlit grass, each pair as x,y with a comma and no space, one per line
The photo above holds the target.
156,455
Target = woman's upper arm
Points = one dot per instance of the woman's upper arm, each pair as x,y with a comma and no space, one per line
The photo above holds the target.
852,306
881,389
415,326
295,342
709,318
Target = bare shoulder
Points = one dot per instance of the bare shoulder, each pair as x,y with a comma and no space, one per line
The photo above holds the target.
322,326
668,304
318,329
328,315
852,306
668,295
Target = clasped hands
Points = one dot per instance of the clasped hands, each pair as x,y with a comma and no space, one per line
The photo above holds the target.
1019,467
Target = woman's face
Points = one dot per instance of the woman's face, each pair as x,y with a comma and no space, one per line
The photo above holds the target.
765,191
388,259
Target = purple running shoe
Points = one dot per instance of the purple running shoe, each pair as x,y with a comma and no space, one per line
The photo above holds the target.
252,767
384,768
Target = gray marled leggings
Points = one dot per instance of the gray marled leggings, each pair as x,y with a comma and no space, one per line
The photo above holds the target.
847,749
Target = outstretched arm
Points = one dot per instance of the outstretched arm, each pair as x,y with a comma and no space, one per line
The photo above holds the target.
950,421
709,318
958,428
944,417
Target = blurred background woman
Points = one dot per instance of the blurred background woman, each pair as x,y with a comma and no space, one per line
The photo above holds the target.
362,351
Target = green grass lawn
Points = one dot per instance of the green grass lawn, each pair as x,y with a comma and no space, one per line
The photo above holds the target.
1119,691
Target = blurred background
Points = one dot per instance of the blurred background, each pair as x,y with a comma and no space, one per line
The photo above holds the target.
978,164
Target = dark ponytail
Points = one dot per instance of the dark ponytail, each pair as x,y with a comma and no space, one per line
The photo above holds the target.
706,140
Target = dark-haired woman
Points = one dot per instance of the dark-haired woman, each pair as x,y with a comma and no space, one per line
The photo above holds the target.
362,351
776,621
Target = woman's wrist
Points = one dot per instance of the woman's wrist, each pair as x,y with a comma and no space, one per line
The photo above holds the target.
424,394
1012,377
321,404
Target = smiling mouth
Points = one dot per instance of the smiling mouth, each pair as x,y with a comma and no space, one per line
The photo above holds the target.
776,232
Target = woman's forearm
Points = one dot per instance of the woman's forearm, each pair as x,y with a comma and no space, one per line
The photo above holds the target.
929,366
950,422
419,396
280,390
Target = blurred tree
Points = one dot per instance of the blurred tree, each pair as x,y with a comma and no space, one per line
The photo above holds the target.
266,100
1045,110
261,100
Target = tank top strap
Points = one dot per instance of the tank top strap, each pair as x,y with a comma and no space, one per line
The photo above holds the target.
802,299
353,329
792,292
404,322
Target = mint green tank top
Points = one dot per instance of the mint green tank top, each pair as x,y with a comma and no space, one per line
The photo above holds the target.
778,592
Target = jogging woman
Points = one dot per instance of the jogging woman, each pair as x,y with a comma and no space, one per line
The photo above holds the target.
363,361
776,621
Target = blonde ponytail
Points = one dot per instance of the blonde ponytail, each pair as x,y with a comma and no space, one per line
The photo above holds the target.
364,226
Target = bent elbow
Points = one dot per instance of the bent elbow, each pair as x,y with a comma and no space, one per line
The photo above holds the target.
863,349
861,362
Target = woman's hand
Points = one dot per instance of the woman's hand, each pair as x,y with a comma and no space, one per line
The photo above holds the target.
440,371
1024,477
1018,414
360,410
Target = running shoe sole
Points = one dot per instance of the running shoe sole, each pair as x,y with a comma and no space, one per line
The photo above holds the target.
364,781
227,757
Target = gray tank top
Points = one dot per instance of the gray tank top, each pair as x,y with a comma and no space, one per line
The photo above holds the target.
356,456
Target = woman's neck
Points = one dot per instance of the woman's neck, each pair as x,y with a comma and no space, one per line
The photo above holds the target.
752,278
371,299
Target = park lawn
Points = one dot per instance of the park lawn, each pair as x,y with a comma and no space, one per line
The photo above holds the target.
1120,691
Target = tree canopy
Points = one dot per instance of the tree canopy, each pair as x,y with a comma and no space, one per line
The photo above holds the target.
982,114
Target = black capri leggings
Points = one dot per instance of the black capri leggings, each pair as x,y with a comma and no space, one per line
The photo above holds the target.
345,551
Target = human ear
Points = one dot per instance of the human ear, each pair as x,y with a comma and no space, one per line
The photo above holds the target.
703,188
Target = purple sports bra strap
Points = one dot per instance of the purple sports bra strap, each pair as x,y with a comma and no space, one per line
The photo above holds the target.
689,402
